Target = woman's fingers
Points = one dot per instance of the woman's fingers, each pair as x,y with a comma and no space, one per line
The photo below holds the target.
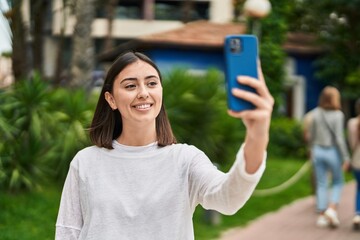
263,98
257,121
259,85
250,114
260,101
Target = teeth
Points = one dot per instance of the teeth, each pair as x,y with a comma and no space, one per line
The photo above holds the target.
143,106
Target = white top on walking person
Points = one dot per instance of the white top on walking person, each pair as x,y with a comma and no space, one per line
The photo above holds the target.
136,182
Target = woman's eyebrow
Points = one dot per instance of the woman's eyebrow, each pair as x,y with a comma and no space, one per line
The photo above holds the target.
129,79
151,76
135,79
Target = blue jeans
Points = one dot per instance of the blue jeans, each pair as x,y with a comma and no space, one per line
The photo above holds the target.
326,160
357,194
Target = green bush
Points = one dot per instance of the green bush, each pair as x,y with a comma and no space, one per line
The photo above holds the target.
196,105
286,138
25,117
41,129
75,111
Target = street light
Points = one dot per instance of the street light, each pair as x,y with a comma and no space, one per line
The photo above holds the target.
257,9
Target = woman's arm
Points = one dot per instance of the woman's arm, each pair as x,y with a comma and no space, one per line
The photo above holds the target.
257,121
228,192
352,132
224,192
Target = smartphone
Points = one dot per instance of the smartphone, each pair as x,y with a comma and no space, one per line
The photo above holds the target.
241,56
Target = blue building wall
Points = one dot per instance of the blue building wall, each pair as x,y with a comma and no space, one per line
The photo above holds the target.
167,59
305,67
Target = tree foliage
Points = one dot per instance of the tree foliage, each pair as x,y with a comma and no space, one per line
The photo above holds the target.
25,148
335,22
274,28
41,128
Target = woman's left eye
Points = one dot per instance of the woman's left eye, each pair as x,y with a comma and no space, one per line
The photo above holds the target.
152,84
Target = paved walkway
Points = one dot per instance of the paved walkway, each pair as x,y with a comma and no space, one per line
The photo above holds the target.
297,222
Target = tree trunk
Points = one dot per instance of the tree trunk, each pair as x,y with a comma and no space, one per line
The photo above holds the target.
38,15
110,13
83,53
61,75
20,54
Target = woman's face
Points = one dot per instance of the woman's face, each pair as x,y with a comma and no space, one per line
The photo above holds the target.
137,94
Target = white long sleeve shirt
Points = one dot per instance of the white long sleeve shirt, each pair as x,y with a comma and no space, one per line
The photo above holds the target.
147,192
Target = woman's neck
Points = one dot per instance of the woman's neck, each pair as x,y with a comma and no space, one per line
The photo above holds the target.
138,135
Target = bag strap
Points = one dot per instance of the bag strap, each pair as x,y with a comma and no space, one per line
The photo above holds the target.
328,126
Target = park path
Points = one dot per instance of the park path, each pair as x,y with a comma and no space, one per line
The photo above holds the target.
296,221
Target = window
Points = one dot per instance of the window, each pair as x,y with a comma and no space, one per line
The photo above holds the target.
163,10
174,10
126,9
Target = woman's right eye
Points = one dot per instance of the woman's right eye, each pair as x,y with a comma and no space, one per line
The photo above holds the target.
130,86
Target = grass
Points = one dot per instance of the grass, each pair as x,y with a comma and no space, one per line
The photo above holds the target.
32,215
29,215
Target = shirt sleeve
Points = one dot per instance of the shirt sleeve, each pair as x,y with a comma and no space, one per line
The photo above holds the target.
223,192
69,221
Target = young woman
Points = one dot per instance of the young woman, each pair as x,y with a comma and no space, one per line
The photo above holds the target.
329,154
136,182
354,141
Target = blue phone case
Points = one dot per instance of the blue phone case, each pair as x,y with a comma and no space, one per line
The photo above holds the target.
241,55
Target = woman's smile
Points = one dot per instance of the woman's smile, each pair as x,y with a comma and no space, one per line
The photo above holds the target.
143,106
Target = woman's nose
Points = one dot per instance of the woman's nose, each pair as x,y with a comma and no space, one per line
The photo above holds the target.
143,93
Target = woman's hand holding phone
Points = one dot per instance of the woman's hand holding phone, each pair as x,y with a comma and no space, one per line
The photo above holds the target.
248,96
256,120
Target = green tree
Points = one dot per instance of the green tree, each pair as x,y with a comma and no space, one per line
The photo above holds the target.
336,25
274,28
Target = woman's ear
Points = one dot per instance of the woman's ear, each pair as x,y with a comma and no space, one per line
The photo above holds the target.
110,99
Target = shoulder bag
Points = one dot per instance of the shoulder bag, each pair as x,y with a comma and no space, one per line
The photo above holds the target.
333,135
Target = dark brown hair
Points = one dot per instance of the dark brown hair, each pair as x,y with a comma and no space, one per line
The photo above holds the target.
330,99
107,123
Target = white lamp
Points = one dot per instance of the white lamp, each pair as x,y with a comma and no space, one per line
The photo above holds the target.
257,8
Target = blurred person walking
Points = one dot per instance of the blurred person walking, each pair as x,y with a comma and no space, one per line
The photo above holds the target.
353,128
329,154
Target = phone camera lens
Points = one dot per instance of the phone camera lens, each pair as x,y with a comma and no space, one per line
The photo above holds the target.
235,46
